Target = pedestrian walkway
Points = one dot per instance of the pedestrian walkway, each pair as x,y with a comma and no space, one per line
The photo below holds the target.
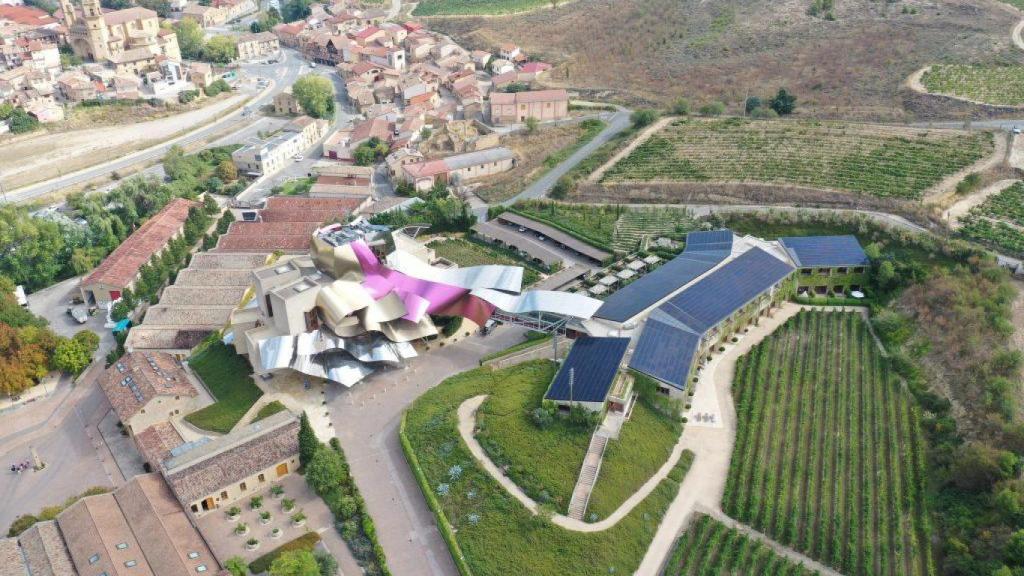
588,475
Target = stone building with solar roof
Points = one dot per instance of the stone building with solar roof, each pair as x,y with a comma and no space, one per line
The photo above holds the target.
683,311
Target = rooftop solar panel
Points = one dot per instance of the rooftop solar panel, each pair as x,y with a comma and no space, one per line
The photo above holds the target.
649,289
593,363
825,250
725,290
665,351
702,241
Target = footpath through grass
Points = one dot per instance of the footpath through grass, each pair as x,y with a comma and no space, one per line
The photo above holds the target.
543,462
878,160
709,547
829,453
228,376
495,534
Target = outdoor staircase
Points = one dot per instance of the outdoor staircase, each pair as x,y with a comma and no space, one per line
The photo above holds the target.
588,475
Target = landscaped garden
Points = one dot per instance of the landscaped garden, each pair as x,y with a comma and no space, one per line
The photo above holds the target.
829,453
465,252
710,547
228,377
992,84
488,531
594,224
877,160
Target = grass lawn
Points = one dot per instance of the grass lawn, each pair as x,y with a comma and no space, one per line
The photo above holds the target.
495,533
228,377
472,253
532,338
544,463
593,224
268,410
296,187
644,444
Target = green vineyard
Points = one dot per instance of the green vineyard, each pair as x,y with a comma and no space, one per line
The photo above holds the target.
1007,205
877,160
710,547
829,454
998,222
1000,85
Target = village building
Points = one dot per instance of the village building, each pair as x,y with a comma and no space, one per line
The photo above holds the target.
254,46
513,108
270,156
241,463
285,103
131,38
120,269
459,168
148,388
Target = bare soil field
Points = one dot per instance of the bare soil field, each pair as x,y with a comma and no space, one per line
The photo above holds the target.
653,51
34,157
531,150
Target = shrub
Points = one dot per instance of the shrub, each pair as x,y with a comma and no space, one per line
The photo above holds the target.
305,542
643,117
681,107
712,109
256,502
542,417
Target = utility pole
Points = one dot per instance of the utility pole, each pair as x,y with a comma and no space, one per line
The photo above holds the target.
572,378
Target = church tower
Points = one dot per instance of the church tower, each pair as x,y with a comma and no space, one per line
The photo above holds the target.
97,28
69,13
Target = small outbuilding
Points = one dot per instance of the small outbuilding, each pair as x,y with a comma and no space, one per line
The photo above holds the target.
589,373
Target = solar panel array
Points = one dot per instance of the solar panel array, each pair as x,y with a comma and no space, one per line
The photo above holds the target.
591,365
825,250
704,251
665,350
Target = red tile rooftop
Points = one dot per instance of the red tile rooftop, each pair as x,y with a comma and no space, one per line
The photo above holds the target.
122,265
294,243
288,228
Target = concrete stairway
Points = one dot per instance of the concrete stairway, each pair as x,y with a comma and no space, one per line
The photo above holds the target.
588,475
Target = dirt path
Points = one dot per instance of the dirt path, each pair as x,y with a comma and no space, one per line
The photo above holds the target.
962,207
38,157
640,139
1016,35
948,184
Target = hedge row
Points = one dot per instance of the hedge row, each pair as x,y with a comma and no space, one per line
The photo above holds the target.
305,542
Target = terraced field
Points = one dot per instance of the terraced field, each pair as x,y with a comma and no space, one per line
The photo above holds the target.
1001,85
710,547
878,160
829,451
998,222
651,223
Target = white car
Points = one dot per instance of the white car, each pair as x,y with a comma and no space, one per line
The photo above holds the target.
298,157
521,229
312,64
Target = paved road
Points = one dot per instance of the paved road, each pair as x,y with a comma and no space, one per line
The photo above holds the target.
367,417
617,122
283,75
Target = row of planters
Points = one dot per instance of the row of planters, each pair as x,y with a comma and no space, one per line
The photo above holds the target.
298,518
327,473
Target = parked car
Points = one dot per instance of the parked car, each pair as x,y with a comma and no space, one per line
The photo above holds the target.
521,229
298,158
80,313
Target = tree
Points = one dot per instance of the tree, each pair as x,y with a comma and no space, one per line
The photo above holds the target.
752,103
783,102
295,10
190,38
308,442
21,121
220,49
712,109
1013,553
978,466
681,107
562,187
315,94
326,470
295,563
237,566
328,565
87,338
71,356
643,117
531,125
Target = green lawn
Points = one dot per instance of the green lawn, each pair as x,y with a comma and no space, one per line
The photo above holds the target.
497,536
532,339
228,377
544,463
268,410
472,253
644,444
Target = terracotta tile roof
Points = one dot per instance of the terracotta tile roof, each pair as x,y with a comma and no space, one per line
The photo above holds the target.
44,550
365,130
214,261
193,277
528,97
128,15
342,181
156,442
293,243
143,338
177,316
93,527
203,295
340,206
26,15
272,228
12,563
122,265
223,461
164,377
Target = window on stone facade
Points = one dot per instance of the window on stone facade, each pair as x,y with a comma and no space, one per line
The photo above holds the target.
94,558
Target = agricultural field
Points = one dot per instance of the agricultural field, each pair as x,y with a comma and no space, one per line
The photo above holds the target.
710,547
651,223
543,462
876,160
1000,85
472,253
995,234
477,7
829,453
1006,205
492,534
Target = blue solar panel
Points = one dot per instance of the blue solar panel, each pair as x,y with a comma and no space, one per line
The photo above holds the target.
665,351
711,240
593,363
825,250
727,289
643,293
